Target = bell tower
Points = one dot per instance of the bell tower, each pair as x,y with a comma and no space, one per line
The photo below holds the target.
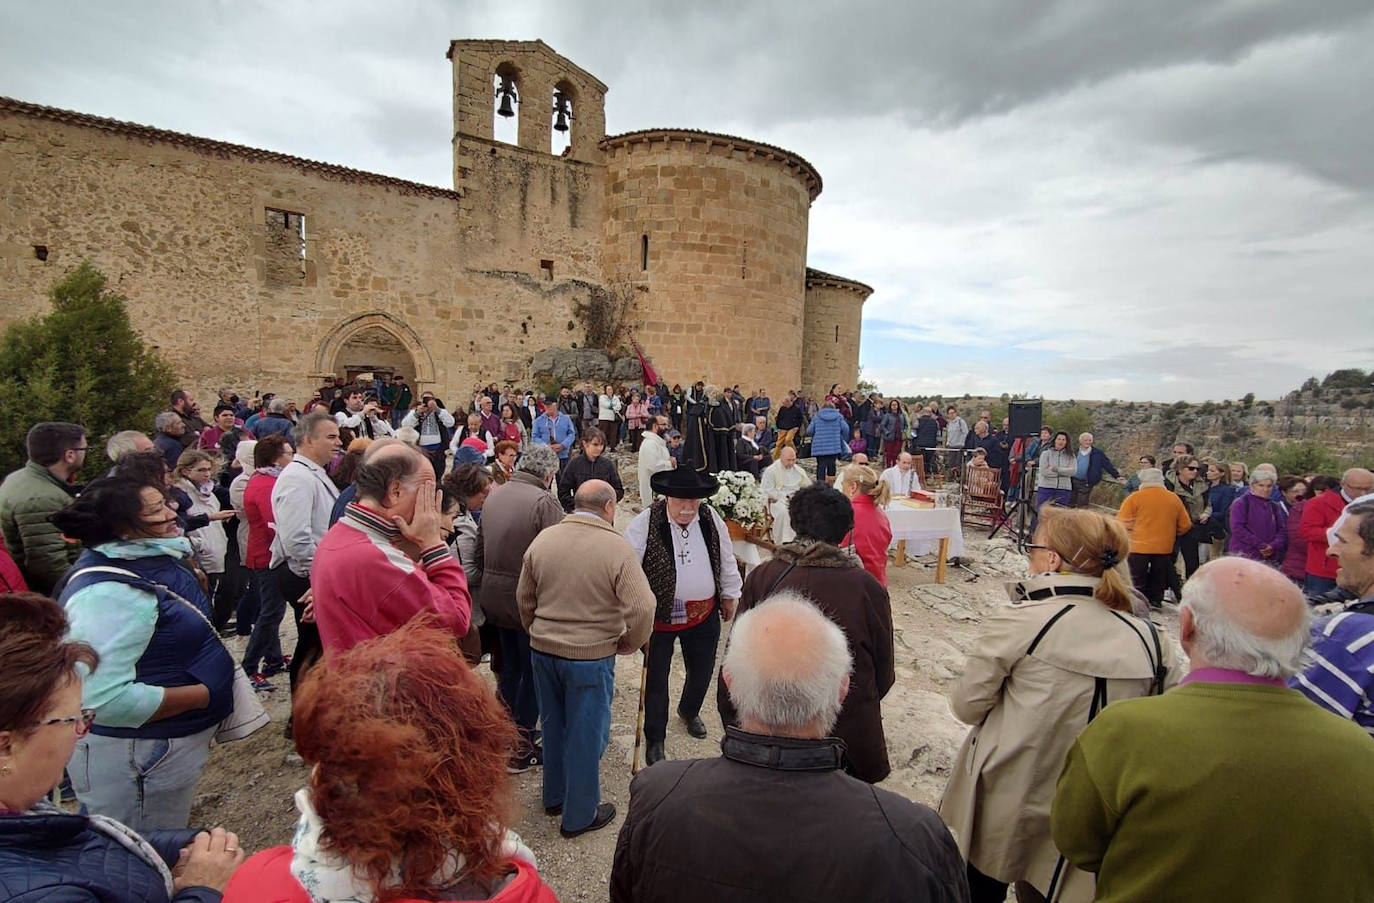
524,81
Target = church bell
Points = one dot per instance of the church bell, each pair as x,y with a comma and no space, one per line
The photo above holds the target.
507,94
560,109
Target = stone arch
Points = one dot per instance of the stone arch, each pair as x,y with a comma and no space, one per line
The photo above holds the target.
326,357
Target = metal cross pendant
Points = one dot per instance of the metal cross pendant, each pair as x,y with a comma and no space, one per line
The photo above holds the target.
683,556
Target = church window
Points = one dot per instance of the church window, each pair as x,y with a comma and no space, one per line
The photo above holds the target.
547,267
285,248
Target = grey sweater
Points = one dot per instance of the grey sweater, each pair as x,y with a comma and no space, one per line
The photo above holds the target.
1056,469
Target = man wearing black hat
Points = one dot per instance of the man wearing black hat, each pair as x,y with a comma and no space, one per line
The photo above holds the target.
686,554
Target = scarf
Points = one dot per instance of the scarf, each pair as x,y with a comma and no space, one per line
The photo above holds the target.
272,472
328,878
124,836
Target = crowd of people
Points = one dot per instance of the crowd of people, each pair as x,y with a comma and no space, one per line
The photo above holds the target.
414,544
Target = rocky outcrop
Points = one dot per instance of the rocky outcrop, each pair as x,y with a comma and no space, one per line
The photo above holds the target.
571,365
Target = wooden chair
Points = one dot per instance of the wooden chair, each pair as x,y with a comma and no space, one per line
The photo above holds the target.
919,464
980,502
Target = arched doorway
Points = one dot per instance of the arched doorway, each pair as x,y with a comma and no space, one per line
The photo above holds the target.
378,343
373,350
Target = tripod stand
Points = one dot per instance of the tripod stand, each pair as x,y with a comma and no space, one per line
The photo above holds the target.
1020,507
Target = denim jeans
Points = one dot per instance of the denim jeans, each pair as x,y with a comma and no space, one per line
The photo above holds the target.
148,784
515,683
575,699
264,644
1316,586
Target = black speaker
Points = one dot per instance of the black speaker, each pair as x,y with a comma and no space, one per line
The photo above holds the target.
1025,417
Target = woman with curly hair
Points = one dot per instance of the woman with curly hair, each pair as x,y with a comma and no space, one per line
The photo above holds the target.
408,797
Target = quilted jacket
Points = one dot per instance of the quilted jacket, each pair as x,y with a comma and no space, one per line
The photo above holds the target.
58,859
27,497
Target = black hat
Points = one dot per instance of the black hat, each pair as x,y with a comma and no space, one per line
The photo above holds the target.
684,483
550,399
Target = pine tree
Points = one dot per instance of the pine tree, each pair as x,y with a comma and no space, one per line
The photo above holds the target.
83,363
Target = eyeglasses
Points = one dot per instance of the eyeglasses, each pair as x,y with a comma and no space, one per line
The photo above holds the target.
79,448
1032,545
1187,468
82,722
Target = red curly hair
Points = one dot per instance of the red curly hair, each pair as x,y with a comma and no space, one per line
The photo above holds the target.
411,748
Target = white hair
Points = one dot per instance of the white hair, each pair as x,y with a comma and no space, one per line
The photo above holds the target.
122,443
748,429
277,405
164,420
1225,644
807,694
409,435
539,461
1263,472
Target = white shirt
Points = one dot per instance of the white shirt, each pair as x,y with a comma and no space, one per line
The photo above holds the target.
354,422
694,580
654,457
302,501
903,484
429,427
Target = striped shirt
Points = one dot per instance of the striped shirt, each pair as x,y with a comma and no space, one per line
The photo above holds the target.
1339,673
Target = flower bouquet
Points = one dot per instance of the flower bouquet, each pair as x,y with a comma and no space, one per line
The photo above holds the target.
740,502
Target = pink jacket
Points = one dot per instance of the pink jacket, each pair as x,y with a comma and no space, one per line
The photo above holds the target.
366,587
637,414
871,536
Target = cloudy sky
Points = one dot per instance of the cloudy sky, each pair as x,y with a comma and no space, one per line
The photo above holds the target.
1141,200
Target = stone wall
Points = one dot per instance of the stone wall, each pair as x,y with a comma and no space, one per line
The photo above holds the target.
714,230
181,227
256,269
830,338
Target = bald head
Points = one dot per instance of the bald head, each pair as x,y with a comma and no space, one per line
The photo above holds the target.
1242,615
787,668
1357,482
389,465
596,497
859,458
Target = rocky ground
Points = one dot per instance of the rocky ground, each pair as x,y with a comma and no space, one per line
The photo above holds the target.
248,785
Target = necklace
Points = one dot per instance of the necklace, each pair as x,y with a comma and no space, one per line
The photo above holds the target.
684,557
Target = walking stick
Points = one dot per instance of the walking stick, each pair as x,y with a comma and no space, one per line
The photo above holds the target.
639,723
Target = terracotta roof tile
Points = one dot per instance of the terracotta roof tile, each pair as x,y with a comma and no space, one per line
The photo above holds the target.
810,176
9,105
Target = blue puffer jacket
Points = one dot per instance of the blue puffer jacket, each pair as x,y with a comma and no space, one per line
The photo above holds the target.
57,858
828,431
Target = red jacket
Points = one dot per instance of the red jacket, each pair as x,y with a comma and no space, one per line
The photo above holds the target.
366,587
11,580
871,536
257,507
267,878
1318,514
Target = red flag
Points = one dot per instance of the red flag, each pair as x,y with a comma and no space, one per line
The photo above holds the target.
650,377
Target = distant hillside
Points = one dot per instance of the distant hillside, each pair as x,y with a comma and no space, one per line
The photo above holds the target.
1324,426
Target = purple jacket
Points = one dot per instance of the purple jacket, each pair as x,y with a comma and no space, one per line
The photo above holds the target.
1255,523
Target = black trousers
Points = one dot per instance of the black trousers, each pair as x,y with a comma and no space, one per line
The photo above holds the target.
308,647
983,889
1187,546
1151,574
698,654
1082,492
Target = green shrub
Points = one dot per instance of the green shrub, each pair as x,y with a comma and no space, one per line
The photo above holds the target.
82,363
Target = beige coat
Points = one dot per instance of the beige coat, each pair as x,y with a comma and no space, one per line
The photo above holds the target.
1027,710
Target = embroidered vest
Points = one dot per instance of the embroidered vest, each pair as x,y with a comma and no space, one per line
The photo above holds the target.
661,567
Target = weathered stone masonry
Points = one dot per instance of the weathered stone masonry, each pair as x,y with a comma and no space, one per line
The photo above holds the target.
261,270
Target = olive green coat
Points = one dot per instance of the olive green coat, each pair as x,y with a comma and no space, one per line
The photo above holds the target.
27,498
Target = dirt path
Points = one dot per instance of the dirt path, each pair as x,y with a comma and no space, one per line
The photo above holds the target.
248,787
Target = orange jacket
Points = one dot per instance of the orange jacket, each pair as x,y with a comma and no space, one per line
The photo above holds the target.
1155,518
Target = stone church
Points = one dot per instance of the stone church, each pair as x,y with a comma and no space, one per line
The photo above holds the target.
256,269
